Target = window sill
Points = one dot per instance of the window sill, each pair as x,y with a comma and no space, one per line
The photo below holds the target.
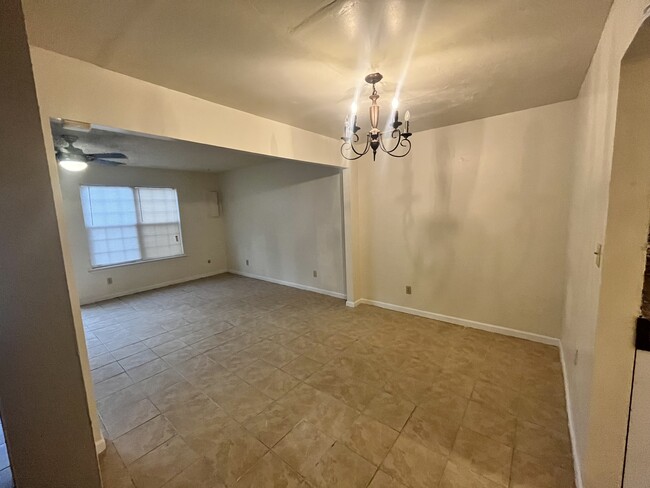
134,263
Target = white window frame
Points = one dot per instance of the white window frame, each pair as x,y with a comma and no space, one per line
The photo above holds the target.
139,225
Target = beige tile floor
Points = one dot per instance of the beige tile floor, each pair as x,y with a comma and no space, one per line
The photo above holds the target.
235,382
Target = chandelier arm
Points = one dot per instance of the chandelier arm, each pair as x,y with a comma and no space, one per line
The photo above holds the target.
348,157
350,145
404,143
365,149
398,141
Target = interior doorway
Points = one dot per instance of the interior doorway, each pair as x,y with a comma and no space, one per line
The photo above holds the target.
636,470
151,223
625,370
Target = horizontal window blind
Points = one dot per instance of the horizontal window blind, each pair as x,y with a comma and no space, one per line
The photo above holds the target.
160,222
127,224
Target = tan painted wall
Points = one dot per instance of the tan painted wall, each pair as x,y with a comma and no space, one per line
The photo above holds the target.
355,276
203,236
475,220
593,165
623,269
77,90
637,470
42,392
633,158
285,217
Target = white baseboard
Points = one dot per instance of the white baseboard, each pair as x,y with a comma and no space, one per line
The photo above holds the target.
131,291
330,293
497,329
354,304
100,445
569,410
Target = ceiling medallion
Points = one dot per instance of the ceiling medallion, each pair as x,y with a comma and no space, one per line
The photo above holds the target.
398,141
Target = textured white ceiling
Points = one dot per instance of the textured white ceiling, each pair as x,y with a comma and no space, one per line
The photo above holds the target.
303,61
145,151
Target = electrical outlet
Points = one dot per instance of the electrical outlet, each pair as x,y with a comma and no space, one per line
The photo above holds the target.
408,289
575,358
109,281
315,274
247,262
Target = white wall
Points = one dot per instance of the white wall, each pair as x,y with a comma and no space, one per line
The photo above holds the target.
285,217
203,236
592,172
475,220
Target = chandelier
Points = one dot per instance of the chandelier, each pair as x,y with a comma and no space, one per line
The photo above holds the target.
392,141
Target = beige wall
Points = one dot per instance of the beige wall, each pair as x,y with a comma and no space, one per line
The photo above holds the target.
622,275
285,217
475,220
637,469
43,397
203,236
593,164
77,90
631,175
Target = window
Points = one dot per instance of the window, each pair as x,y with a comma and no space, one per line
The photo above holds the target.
127,224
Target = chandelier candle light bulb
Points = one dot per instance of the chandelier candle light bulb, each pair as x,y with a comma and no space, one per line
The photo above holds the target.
399,144
395,105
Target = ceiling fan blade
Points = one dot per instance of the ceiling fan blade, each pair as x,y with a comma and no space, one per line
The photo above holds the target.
106,162
108,155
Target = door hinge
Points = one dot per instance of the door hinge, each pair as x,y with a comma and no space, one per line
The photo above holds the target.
599,254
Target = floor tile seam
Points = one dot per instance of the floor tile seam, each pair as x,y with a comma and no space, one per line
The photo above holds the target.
401,431
160,414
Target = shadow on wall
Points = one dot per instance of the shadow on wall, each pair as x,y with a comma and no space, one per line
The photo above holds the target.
480,213
431,238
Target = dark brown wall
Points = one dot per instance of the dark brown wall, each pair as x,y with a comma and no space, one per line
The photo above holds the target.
42,396
645,304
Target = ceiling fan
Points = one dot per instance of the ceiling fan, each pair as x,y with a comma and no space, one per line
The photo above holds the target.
74,159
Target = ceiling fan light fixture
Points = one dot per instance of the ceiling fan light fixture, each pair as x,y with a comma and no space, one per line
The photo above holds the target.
76,125
70,164
72,158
